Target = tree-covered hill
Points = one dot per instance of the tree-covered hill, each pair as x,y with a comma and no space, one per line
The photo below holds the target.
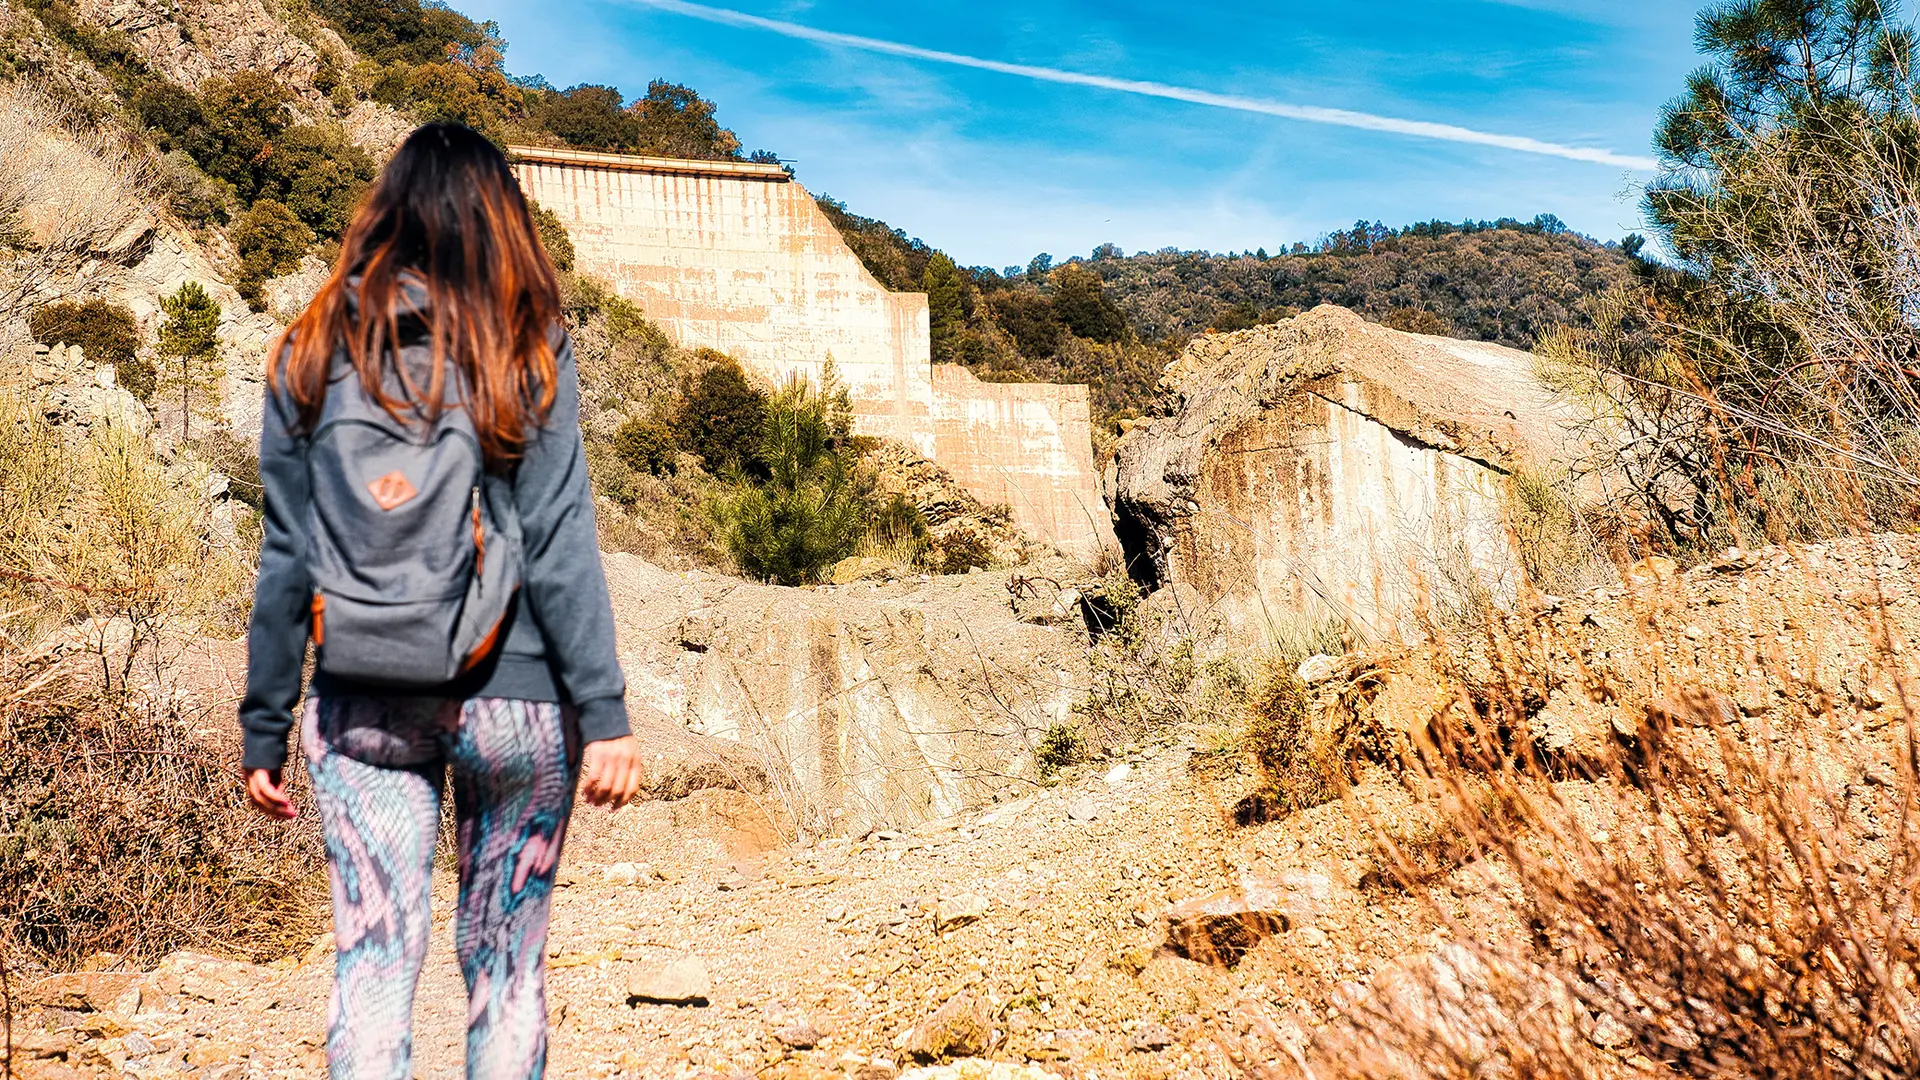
1112,320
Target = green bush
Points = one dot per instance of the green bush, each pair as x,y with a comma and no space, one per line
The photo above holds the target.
962,551
721,416
591,116
553,236
230,128
240,131
812,509
1295,767
106,333
318,172
270,239
197,198
646,445
1059,748
897,529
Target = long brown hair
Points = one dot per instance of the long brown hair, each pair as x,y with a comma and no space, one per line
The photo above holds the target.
447,218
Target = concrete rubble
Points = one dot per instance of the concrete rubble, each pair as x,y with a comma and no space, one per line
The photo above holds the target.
1327,469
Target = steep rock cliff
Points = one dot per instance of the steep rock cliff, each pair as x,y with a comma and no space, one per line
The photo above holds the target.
1330,468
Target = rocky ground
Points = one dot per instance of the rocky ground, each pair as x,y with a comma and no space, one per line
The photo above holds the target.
1032,932
1119,923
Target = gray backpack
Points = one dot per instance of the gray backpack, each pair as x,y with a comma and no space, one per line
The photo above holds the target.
414,561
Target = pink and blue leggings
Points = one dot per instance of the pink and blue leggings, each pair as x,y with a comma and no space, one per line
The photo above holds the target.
377,766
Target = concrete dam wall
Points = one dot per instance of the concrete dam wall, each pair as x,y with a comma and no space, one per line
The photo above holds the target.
737,257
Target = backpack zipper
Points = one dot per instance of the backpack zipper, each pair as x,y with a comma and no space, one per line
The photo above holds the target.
479,536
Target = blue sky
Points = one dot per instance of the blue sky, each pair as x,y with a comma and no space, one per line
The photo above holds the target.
995,167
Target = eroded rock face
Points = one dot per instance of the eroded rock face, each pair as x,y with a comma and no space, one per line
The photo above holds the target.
960,1028
195,40
1326,467
868,704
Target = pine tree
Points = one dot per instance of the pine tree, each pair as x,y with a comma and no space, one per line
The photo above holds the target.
1784,72
190,353
946,304
1802,98
813,508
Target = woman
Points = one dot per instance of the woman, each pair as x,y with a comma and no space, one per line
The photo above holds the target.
437,336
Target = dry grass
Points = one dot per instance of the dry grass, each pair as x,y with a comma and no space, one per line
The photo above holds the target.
123,830
66,193
122,826
1701,906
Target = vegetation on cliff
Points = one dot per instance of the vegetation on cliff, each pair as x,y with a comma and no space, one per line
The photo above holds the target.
275,164
1766,379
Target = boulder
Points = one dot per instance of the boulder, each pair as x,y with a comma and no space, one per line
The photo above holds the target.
960,1028
801,1036
979,1069
1315,670
80,991
859,568
959,911
682,980
211,978
1223,927
1330,468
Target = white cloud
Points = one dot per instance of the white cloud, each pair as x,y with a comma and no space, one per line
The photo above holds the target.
1313,114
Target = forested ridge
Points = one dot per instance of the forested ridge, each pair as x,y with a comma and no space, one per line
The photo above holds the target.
1113,320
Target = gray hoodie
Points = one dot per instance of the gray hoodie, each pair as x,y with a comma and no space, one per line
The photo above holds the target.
560,645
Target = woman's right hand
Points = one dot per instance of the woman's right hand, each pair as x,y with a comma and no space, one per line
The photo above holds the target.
611,774
269,795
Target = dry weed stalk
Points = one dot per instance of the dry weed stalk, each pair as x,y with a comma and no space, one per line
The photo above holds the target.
122,830
121,825
1704,902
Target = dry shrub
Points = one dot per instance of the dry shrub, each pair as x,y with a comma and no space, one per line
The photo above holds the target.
1705,904
1309,747
122,826
1143,670
122,831
1560,550
95,527
66,194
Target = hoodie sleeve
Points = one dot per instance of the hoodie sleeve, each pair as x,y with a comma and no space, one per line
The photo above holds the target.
564,584
282,594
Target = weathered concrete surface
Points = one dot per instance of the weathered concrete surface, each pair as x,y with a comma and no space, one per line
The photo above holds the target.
863,704
1015,443
737,257
1329,467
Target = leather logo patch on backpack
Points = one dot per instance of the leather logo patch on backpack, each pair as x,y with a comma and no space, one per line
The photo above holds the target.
391,490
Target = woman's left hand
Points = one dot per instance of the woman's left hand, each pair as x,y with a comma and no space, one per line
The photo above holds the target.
612,772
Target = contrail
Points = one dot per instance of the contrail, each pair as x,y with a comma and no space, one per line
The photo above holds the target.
1311,114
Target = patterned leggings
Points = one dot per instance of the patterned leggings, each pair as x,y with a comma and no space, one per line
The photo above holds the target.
377,766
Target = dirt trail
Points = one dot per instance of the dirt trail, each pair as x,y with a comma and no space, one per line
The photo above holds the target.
1070,882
